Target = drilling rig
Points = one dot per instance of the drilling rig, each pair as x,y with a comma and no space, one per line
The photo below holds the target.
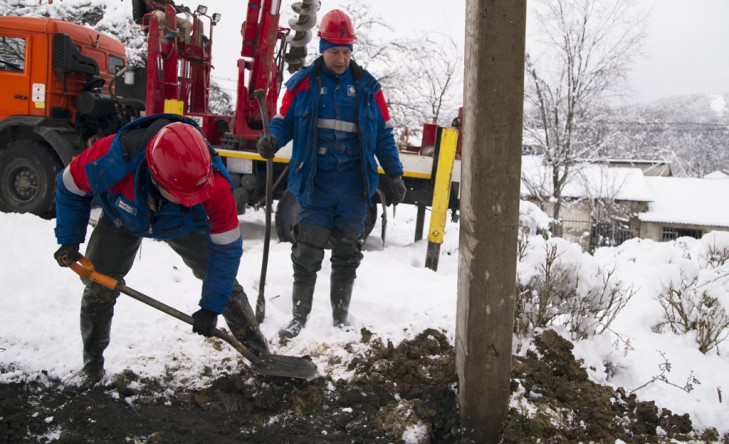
80,89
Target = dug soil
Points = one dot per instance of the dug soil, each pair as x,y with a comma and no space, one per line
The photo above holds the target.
406,393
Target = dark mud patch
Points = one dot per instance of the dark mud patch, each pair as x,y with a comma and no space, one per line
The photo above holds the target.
567,407
397,394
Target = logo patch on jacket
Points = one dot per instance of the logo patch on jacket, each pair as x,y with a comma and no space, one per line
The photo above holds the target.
125,206
323,90
351,92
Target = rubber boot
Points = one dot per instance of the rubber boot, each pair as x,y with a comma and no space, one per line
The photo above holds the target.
302,296
242,322
307,254
97,311
341,295
346,257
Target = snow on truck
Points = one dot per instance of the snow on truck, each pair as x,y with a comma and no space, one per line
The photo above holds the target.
65,85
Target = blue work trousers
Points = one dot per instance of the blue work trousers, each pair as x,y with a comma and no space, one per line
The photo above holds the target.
338,201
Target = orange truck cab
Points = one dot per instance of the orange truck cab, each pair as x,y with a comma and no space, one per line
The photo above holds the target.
53,104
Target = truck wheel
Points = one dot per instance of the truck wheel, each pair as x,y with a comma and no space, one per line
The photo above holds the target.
370,220
28,178
287,212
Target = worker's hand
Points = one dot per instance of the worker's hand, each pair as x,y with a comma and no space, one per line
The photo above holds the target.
67,255
398,189
267,146
205,322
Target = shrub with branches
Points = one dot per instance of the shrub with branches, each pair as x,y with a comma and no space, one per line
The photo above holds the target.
695,298
594,312
542,297
558,284
716,244
690,308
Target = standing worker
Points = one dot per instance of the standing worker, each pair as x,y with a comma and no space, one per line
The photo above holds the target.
336,114
158,178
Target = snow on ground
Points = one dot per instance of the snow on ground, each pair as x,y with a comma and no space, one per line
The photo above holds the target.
395,297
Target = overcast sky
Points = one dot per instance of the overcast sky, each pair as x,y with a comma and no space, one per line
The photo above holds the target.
686,50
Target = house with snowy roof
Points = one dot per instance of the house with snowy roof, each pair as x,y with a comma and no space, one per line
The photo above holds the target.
605,204
684,206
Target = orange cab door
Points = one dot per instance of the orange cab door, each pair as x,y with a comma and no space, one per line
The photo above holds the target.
15,73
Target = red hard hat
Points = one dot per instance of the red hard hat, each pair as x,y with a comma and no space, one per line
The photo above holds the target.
179,159
336,26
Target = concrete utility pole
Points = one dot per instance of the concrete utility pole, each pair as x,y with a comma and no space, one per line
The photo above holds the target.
490,179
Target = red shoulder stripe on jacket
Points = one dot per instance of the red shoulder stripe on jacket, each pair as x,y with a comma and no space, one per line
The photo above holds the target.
290,95
221,207
77,167
382,104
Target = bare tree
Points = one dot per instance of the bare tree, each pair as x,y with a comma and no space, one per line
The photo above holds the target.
420,76
428,84
433,68
438,75
588,49
220,101
689,132
370,49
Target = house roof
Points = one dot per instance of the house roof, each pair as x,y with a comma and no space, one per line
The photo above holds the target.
588,180
690,201
674,200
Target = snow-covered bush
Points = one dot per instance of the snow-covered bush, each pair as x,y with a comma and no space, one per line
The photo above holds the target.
532,221
559,284
695,297
716,245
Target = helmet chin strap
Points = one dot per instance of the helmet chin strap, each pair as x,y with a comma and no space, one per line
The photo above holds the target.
167,195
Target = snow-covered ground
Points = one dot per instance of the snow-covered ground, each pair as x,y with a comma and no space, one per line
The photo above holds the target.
395,297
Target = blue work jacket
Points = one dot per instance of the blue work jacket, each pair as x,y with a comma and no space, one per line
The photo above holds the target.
122,187
299,119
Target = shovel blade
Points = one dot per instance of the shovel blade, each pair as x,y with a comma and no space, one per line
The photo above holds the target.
285,366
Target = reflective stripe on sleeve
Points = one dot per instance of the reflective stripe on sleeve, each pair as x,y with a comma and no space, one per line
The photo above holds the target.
226,237
69,183
337,125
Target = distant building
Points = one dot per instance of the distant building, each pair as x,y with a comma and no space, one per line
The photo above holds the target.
609,202
649,167
684,206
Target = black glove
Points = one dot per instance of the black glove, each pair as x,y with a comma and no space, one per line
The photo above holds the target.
67,255
398,189
205,322
267,146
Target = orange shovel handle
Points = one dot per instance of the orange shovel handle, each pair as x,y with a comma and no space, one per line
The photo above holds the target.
84,268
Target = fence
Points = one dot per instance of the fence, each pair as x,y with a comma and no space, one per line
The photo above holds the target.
596,234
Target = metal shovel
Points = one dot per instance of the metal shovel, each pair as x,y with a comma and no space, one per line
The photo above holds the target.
268,365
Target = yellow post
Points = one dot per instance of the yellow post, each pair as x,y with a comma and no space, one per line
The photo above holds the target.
447,143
